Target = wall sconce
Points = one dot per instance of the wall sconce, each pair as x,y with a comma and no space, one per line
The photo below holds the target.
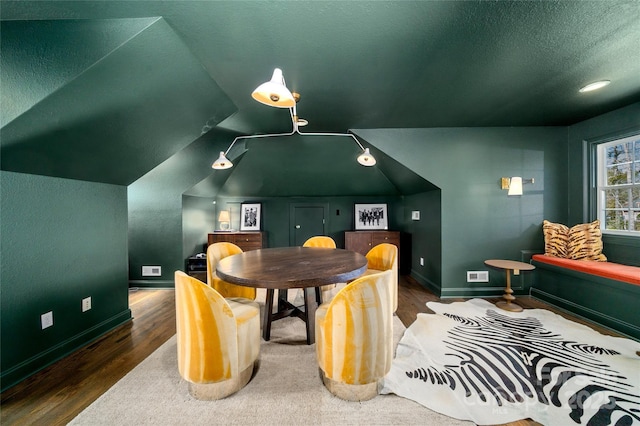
224,219
514,184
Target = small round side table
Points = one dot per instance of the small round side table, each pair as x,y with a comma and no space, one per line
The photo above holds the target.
509,265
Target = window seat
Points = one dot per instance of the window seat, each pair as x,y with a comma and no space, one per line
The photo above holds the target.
604,292
615,271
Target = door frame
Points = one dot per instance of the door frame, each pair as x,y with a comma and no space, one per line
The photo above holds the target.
292,210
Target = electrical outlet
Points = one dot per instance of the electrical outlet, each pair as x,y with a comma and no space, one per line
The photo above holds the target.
86,304
46,320
151,271
422,261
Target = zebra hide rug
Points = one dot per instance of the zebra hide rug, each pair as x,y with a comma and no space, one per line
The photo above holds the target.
476,362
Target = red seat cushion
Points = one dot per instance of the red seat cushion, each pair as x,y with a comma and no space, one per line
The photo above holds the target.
616,271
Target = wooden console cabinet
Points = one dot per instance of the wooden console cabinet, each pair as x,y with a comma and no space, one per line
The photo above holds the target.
245,240
363,241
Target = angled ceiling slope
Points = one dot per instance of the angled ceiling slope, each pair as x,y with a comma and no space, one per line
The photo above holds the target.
125,100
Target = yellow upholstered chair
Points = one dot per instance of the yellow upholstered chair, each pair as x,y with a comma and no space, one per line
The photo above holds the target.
215,253
218,339
354,337
320,241
326,242
384,257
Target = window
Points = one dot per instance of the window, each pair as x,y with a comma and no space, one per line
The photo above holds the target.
618,186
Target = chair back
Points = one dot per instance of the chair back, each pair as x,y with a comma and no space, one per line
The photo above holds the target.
215,253
206,332
354,339
320,241
384,257
323,242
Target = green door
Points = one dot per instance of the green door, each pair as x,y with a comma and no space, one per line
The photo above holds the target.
307,220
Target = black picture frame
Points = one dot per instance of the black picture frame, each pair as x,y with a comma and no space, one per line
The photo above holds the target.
371,216
250,214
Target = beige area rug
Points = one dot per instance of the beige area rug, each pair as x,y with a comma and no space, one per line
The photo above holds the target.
286,390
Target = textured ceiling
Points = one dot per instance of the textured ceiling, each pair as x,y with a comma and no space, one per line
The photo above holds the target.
150,76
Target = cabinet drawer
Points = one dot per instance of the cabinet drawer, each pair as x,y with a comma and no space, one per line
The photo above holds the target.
390,238
221,238
248,238
244,240
246,246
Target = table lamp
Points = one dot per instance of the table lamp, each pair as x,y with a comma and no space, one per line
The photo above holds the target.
224,220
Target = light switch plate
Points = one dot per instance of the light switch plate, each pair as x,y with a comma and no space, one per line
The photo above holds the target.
46,320
86,304
415,215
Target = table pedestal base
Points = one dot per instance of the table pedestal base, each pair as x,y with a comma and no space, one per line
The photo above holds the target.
508,306
286,309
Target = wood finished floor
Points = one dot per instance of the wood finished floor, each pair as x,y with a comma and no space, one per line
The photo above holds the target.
55,395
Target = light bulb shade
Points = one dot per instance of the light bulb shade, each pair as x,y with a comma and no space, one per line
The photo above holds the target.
515,186
222,162
274,93
224,216
366,159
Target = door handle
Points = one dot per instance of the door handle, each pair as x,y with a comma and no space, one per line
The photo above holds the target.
297,226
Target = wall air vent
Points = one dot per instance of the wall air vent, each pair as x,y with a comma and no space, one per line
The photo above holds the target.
477,276
151,271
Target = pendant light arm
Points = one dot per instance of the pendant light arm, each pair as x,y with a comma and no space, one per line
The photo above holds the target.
256,137
351,135
275,93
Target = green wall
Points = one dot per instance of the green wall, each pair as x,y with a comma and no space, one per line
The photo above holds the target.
426,238
198,219
467,220
62,240
276,212
479,220
156,235
613,125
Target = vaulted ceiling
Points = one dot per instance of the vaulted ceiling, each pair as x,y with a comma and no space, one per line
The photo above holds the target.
106,91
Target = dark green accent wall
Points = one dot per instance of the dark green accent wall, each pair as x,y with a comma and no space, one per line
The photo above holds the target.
156,236
426,237
198,219
118,106
62,240
616,124
276,212
478,220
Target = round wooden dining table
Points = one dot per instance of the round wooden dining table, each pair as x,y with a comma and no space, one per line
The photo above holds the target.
286,268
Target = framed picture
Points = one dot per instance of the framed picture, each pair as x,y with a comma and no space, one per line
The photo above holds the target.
371,216
250,217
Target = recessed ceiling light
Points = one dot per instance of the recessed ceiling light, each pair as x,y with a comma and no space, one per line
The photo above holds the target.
595,86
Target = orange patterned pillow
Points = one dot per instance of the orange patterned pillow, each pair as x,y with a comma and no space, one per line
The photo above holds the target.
556,239
585,242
